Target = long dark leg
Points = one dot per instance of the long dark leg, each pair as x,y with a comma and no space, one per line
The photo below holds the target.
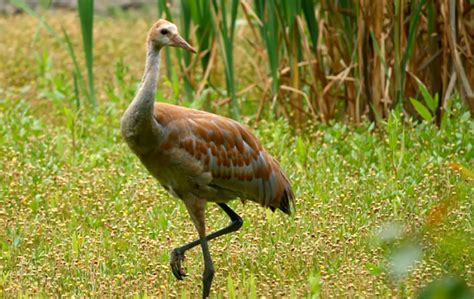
196,208
208,274
177,255
232,227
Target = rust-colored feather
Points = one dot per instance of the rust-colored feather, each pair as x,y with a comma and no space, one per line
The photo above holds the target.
233,156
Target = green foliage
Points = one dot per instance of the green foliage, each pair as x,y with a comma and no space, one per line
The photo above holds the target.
86,15
77,74
73,194
410,45
446,288
422,110
269,28
185,56
428,110
310,16
315,285
200,13
380,210
226,29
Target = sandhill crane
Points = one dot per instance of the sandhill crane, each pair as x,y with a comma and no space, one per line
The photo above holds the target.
199,156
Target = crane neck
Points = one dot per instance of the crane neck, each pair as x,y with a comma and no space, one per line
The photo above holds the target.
138,121
142,104
144,101
152,70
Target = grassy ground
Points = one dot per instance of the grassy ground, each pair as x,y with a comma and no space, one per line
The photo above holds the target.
380,212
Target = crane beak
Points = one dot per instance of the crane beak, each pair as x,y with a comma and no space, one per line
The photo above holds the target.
179,42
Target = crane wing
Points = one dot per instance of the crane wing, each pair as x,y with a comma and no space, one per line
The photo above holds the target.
234,157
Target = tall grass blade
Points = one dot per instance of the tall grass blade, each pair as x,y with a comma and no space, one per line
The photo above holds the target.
415,16
184,56
287,12
421,109
310,17
201,15
76,91
265,11
77,70
86,15
397,16
226,33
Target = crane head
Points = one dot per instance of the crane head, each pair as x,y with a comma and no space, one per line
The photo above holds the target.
164,33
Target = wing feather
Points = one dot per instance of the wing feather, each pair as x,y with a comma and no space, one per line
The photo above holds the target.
236,160
233,157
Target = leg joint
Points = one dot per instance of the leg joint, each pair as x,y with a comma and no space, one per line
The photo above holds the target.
177,251
237,223
234,217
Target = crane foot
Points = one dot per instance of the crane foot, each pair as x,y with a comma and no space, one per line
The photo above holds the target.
175,262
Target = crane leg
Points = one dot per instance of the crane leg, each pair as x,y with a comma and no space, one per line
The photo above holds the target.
177,255
208,274
196,208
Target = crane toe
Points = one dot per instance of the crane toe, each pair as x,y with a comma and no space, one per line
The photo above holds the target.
175,262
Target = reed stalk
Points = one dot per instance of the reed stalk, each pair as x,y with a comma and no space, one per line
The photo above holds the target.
320,59
86,16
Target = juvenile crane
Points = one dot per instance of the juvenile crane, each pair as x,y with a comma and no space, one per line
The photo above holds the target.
199,156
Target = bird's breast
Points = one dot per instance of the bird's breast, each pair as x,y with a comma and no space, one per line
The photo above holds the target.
141,136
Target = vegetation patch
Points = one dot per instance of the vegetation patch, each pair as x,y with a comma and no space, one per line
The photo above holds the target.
381,210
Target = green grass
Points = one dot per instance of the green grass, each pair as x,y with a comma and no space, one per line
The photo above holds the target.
79,215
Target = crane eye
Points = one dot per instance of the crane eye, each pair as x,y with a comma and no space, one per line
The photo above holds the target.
164,31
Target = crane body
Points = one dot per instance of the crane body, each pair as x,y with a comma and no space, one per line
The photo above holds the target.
199,157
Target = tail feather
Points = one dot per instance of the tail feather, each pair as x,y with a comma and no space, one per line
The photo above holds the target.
286,201
288,197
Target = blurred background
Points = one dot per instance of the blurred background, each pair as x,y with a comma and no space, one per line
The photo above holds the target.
305,60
